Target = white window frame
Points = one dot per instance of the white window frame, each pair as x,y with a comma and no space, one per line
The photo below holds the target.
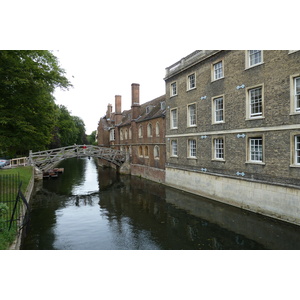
174,118
218,148
218,70
173,89
256,149
249,55
251,102
297,150
217,111
295,93
191,81
192,148
192,115
174,148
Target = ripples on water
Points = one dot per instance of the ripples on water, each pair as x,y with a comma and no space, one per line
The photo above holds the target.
94,208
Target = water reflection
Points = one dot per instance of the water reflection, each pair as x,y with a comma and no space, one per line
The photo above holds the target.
94,208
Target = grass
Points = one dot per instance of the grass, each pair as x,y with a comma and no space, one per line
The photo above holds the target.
25,173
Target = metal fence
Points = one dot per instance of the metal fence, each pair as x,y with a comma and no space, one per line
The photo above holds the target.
10,201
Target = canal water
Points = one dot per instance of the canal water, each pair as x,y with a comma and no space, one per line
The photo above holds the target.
89,207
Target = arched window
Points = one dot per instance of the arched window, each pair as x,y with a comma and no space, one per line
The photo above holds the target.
126,134
121,134
141,131
146,151
156,152
157,129
140,151
130,133
149,130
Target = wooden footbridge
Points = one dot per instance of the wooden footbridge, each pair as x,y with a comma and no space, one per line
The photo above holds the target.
46,159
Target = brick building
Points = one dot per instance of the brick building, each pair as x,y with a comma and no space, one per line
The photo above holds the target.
140,132
233,128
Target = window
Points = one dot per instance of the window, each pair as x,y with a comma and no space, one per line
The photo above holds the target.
140,151
157,129
146,151
174,148
121,134
218,70
130,133
173,90
219,148
156,152
192,148
256,149
174,121
112,135
140,131
255,102
297,93
149,130
254,57
218,107
191,84
192,115
297,149
126,134
163,105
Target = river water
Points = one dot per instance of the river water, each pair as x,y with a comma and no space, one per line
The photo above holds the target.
89,207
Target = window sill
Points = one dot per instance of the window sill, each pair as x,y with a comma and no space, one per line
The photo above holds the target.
294,166
255,163
192,157
194,88
255,118
217,123
294,113
218,160
214,80
250,67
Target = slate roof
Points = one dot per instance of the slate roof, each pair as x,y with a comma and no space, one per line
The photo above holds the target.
155,111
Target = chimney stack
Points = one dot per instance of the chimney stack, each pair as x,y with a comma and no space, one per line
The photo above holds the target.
109,110
118,109
135,100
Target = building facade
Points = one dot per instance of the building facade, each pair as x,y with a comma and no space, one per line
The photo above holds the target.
140,132
233,129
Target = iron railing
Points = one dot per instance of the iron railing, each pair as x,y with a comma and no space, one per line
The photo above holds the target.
12,200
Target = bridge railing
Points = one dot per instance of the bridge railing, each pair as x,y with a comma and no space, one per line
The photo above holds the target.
42,159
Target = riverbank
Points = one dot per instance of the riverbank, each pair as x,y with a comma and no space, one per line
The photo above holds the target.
27,177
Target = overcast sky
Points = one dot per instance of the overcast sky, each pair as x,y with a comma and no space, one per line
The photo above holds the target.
99,74
106,46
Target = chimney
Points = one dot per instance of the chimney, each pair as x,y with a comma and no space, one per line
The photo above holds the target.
118,109
108,112
135,100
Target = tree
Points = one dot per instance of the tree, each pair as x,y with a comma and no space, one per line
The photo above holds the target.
27,109
92,138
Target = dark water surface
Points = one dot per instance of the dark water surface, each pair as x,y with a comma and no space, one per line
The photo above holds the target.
93,208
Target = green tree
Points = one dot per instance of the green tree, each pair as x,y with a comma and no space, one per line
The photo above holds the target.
27,109
92,138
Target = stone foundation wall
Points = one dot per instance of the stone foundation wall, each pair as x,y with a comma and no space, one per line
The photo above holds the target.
277,201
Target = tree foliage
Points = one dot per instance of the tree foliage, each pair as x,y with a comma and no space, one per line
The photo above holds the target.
29,117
